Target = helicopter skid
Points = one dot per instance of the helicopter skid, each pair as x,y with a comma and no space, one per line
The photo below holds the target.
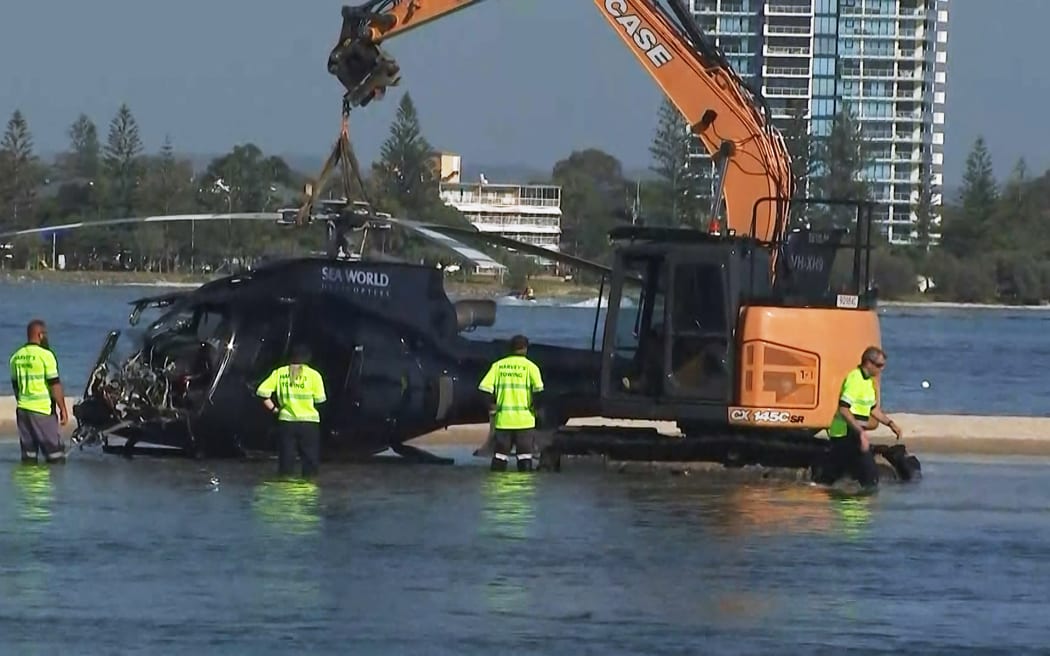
770,456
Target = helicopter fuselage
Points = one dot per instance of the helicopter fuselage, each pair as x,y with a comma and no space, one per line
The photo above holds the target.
385,337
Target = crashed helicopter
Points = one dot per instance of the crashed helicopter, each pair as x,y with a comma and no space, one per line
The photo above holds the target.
384,334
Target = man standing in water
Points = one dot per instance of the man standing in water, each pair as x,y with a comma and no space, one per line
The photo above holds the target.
512,383
297,387
38,392
850,448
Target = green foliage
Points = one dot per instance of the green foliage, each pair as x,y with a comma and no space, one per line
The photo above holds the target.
895,275
924,212
121,161
519,269
404,173
83,159
804,156
842,158
243,180
592,197
20,174
972,228
684,181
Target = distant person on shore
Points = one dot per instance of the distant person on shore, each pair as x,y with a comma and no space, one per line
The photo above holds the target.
297,387
512,383
39,394
858,406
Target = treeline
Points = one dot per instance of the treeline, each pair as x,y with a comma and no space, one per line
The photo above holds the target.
993,245
98,179
990,247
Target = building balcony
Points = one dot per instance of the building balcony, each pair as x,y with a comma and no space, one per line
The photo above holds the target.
727,8
775,9
507,228
785,71
505,203
787,30
786,92
786,51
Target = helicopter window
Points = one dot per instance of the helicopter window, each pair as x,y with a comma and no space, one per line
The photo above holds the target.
212,325
261,342
178,321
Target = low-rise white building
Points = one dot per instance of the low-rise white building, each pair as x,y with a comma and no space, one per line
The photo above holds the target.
530,213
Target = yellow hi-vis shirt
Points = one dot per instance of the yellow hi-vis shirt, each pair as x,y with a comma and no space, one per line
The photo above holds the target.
295,398
512,380
31,367
859,393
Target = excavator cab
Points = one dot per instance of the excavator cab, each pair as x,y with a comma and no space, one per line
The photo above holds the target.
699,332
669,347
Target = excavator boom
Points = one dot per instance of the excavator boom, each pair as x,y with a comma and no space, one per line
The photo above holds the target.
754,181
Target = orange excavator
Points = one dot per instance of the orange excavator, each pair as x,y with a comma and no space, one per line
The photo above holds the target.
741,333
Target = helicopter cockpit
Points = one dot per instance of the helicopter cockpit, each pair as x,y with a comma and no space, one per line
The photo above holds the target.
179,354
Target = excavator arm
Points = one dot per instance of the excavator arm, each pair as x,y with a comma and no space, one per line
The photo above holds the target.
754,167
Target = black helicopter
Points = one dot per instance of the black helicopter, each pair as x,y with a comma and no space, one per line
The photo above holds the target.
384,334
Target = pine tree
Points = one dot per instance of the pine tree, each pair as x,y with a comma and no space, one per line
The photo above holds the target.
803,157
82,160
20,173
166,181
924,212
404,171
971,229
684,176
122,161
842,159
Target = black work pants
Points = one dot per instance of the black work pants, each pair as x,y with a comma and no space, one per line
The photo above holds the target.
523,442
302,437
846,457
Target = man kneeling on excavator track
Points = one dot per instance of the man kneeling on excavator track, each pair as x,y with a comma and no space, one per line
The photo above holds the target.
850,448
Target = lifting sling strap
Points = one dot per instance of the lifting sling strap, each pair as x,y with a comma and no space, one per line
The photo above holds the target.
344,156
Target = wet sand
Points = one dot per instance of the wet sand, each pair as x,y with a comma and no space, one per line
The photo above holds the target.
962,434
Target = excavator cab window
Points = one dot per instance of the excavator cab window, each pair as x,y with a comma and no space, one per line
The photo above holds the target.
638,344
699,335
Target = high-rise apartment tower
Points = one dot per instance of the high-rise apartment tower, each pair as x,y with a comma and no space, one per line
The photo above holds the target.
887,59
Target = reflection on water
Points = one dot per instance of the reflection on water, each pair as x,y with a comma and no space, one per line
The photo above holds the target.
777,509
33,494
853,513
507,513
289,506
24,574
509,504
288,570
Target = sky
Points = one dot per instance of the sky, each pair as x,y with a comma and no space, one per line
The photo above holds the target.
503,82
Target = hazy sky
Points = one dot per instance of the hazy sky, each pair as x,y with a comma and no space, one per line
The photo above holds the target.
506,81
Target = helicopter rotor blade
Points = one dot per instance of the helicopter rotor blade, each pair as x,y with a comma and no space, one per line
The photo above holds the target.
169,218
505,242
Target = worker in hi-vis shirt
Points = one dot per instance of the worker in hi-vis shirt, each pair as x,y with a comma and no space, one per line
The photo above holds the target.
850,448
38,396
513,383
297,388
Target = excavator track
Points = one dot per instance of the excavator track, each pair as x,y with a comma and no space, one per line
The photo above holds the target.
773,455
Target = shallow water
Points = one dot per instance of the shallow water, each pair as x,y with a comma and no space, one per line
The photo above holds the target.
105,555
